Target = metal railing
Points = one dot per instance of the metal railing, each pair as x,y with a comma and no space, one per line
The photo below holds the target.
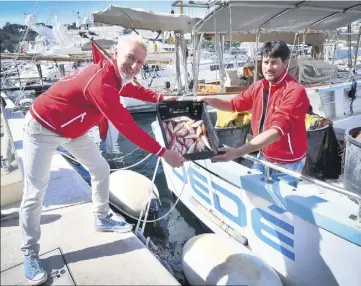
306,178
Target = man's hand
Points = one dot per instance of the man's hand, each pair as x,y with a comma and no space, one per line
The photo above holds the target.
202,99
230,154
170,98
173,158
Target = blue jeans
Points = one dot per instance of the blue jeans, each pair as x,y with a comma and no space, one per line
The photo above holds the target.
297,167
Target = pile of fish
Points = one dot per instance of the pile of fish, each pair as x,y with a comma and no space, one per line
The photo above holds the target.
186,135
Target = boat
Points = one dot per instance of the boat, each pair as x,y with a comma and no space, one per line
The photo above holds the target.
162,23
59,51
310,235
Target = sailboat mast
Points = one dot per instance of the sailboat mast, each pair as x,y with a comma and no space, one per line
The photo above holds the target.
181,7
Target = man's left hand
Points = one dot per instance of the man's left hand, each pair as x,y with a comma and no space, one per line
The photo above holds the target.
170,98
230,154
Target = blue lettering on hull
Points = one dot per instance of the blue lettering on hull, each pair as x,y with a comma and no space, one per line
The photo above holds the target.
199,185
240,219
257,225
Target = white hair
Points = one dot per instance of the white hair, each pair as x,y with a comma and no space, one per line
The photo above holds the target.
130,40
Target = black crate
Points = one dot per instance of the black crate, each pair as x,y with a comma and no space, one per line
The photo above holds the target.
194,110
230,136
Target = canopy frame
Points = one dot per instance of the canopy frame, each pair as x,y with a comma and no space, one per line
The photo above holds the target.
258,29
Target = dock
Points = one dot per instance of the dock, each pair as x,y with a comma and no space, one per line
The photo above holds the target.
72,251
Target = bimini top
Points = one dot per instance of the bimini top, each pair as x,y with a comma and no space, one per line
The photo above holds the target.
279,16
145,20
105,43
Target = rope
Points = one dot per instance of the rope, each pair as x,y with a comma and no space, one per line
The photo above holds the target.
164,216
130,153
151,191
127,155
148,203
125,168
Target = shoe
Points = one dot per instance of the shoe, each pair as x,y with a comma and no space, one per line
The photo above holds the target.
112,223
34,270
116,216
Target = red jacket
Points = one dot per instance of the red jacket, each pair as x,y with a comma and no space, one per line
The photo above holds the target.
77,102
286,111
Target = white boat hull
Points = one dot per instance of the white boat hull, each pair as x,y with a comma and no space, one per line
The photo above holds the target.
310,236
301,252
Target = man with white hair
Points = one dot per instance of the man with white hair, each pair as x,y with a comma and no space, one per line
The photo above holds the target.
61,116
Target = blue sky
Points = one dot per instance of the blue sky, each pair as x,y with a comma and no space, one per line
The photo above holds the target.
13,11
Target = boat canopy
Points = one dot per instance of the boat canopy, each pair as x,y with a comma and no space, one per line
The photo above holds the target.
311,38
306,22
105,43
279,16
145,20
317,38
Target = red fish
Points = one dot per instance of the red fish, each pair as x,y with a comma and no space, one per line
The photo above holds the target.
197,123
188,142
172,143
198,147
170,127
191,148
183,132
205,141
180,140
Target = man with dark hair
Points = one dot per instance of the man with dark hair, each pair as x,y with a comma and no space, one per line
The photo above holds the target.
279,105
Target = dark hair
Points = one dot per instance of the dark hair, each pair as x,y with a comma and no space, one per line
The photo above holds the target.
275,49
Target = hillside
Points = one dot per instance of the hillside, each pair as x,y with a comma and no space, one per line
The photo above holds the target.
11,34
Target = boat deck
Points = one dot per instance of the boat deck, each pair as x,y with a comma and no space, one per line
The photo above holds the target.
72,251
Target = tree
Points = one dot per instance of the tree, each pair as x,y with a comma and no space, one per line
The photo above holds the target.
234,44
207,43
72,26
12,34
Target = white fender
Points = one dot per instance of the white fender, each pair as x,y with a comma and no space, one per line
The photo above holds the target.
129,191
211,259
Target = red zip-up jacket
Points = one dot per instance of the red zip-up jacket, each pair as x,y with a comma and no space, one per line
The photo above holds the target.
76,103
285,112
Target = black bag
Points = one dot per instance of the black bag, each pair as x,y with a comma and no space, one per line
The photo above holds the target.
323,160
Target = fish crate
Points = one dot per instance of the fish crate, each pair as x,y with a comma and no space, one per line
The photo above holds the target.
230,136
196,111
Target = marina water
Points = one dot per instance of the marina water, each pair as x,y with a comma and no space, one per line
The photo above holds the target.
172,232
